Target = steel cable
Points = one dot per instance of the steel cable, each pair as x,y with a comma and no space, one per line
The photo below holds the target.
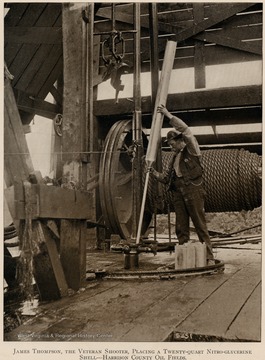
231,180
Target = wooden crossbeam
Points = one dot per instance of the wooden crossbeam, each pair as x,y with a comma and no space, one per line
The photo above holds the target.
183,34
204,99
217,17
228,116
35,105
233,138
33,35
52,202
57,95
234,43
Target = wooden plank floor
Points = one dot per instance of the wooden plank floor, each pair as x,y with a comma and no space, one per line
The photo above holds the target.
224,305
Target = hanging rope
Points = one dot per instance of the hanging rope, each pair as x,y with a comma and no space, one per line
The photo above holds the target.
25,265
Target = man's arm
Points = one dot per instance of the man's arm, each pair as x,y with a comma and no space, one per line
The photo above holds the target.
181,126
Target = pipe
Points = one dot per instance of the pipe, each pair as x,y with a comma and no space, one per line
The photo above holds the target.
161,98
157,121
142,207
137,124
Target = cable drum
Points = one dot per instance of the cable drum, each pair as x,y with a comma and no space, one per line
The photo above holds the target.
251,185
231,180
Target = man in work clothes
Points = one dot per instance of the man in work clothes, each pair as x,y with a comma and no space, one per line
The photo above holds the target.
184,176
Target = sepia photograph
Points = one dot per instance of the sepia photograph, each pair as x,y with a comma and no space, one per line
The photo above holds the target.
132,180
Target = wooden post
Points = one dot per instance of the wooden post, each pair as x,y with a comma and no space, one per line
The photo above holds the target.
199,53
154,59
78,138
47,269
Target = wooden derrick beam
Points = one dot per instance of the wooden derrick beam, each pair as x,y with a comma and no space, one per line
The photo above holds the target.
230,138
216,18
36,105
47,270
233,43
229,116
222,13
199,53
33,35
79,138
204,99
52,202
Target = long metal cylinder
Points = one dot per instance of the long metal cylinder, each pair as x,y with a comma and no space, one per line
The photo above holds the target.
161,97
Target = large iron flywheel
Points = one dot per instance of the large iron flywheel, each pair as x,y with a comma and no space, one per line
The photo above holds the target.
115,181
231,179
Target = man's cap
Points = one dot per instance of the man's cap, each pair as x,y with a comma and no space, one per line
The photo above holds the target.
173,135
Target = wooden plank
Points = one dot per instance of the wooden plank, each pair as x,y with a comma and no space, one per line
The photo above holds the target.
48,270
18,164
54,75
243,19
214,99
225,97
199,66
168,302
114,301
199,54
34,73
211,8
75,171
49,318
243,33
33,35
73,252
10,52
214,315
34,67
250,314
219,117
21,61
172,308
18,167
216,17
15,13
125,14
30,16
13,158
222,55
53,202
57,95
50,15
229,41
36,106
35,84
233,22
215,54
236,138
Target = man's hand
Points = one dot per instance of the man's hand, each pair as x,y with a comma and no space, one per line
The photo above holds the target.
153,172
163,110
150,169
